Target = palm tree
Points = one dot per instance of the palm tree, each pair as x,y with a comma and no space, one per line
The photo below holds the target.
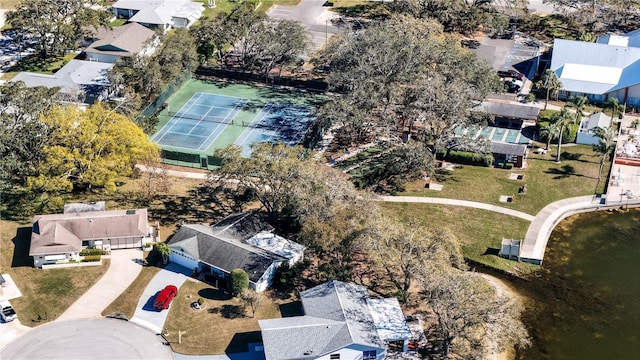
579,103
562,118
606,144
551,132
615,106
164,250
550,82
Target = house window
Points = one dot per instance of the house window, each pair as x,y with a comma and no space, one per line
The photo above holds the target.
334,356
369,355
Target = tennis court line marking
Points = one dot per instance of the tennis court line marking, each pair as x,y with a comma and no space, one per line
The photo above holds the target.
173,121
217,134
258,119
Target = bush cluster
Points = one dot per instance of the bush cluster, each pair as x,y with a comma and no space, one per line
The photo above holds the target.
469,158
87,252
91,258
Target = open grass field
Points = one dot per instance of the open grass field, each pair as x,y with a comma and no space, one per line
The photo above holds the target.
546,181
221,326
45,293
479,231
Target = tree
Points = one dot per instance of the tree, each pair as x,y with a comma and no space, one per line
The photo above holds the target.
23,134
239,281
550,83
469,312
605,146
88,149
177,54
163,250
57,25
282,43
251,299
402,250
616,108
271,172
155,178
550,131
212,37
562,119
579,103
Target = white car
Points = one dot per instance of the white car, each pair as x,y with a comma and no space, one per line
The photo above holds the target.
7,314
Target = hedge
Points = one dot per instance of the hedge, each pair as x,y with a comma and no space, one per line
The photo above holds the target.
91,258
469,158
86,252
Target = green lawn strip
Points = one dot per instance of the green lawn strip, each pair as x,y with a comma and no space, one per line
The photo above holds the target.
34,63
221,326
127,301
546,181
480,232
45,293
117,22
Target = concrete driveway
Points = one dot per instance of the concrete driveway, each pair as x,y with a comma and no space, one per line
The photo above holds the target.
312,15
125,266
110,339
145,315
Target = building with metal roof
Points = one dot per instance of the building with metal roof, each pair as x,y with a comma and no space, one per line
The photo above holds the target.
601,70
340,321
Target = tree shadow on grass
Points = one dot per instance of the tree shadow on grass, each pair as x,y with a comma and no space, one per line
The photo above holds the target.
240,341
214,294
21,244
229,311
563,172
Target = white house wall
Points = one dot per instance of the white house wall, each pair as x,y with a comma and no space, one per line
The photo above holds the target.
39,260
183,259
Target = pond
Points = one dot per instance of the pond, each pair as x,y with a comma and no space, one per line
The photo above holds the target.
586,297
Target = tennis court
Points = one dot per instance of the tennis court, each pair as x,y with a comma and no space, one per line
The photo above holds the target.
276,122
200,121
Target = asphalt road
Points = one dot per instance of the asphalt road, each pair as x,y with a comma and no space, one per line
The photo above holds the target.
317,19
91,339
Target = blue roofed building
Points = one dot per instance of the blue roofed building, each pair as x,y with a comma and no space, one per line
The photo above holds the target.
607,68
340,321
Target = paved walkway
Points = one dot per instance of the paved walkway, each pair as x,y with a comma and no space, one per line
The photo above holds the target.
125,266
145,315
454,202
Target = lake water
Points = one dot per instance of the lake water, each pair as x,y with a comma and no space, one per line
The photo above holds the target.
588,290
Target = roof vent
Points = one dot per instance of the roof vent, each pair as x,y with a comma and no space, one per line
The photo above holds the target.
308,352
131,212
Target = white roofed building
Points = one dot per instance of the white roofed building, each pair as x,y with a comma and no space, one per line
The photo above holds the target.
586,132
607,68
160,15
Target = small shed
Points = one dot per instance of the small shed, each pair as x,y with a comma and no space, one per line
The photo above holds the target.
510,249
509,153
586,133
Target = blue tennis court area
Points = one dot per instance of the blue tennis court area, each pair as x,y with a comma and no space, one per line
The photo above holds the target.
198,123
276,122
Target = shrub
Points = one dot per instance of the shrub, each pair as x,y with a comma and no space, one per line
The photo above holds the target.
200,301
239,281
469,158
570,133
91,258
88,252
508,166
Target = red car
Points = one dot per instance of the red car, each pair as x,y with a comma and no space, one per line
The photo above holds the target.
163,300
510,74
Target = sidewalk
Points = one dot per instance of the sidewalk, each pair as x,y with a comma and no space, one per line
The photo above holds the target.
454,202
125,266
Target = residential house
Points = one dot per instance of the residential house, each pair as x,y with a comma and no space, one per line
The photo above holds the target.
586,132
78,80
340,321
240,241
60,237
111,44
160,15
509,153
608,68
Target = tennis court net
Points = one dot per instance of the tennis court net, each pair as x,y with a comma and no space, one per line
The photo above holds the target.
180,115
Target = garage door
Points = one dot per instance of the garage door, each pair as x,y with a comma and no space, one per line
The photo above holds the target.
180,259
125,243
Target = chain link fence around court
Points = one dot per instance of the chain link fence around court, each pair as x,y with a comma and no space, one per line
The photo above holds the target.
158,103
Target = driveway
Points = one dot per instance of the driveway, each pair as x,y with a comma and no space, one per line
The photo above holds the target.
145,315
125,266
108,339
312,15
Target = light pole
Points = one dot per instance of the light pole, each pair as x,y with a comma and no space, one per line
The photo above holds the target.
326,32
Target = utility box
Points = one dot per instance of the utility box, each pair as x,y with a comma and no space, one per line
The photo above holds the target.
510,249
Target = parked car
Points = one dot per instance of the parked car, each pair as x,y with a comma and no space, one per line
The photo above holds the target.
513,85
163,300
7,314
510,74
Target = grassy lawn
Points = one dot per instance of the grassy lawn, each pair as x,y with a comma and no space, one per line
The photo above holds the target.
127,301
546,180
45,293
480,232
221,326
118,22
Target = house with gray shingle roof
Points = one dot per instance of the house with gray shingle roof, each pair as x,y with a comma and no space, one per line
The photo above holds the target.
128,40
340,321
160,15
240,241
